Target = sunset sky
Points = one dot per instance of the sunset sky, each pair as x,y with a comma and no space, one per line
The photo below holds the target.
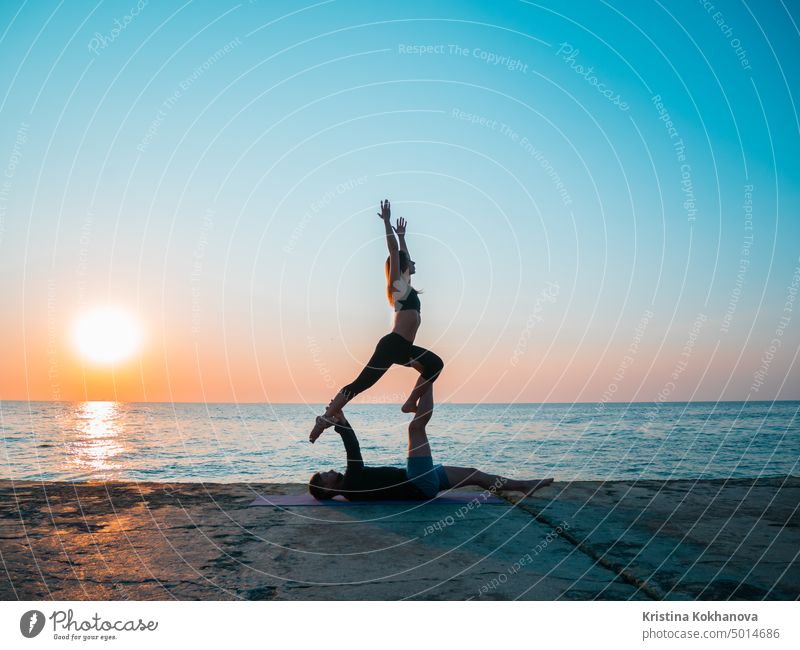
602,198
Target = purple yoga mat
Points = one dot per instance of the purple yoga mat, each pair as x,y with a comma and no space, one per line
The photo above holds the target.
284,500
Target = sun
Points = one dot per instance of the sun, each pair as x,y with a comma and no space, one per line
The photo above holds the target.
107,335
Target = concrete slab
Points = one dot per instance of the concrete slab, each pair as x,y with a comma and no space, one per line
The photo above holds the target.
582,540
713,539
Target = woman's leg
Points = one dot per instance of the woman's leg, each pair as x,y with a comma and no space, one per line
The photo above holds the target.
378,364
432,365
464,476
420,388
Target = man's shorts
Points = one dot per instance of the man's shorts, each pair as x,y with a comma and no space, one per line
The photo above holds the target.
429,478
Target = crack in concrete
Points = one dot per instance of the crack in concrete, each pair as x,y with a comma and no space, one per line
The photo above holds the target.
621,572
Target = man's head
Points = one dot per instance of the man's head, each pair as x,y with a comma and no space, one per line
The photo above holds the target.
325,485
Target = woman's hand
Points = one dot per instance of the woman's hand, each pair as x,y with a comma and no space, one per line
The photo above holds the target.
386,211
400,228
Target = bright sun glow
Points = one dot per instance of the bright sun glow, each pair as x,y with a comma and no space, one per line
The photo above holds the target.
107,335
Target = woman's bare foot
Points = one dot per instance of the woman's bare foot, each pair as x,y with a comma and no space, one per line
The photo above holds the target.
320,425
409,407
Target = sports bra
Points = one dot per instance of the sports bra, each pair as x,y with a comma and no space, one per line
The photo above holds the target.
405,296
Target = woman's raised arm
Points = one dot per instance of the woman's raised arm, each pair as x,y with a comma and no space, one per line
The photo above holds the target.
394,259
400,229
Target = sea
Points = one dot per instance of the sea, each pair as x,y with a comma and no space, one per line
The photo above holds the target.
255,443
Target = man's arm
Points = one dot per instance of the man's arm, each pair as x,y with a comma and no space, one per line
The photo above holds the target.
353,451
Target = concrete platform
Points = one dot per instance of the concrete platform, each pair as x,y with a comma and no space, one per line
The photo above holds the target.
619,540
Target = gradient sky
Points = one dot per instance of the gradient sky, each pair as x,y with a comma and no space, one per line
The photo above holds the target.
216,168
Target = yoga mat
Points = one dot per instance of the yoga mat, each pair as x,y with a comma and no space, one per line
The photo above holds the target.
284,500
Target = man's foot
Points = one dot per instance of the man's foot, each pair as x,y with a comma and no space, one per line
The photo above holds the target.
532,486
409,407
319,426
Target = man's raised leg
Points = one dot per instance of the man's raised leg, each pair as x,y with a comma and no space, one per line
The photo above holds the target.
417,436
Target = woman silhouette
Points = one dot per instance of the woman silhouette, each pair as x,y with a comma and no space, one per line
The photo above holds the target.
398,345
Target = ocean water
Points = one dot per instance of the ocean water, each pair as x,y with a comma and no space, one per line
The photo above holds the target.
82,441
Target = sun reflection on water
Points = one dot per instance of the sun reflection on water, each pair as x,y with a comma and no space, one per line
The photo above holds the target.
97,445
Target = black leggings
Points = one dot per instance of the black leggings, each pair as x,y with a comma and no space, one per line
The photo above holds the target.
391,349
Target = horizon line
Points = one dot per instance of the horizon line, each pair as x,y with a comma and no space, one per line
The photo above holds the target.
448,403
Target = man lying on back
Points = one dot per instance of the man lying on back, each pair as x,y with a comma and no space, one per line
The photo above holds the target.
419,480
